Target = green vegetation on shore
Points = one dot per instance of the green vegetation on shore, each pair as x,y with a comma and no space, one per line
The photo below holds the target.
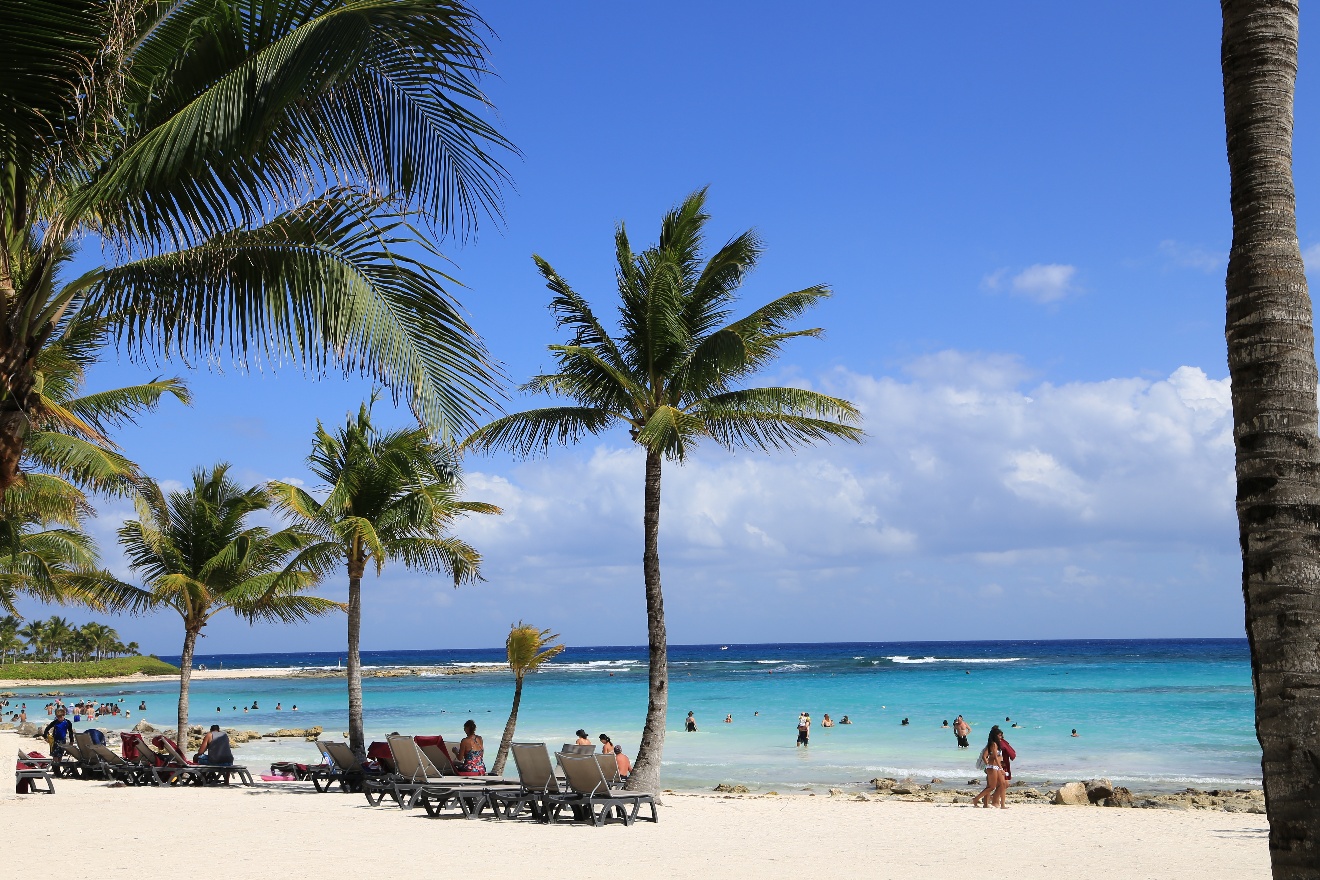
114,668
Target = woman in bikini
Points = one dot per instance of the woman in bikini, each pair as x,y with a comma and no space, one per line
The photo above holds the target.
989,761
471,751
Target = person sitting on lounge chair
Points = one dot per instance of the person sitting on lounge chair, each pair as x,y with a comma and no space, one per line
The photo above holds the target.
625,766
471,751
214,751
582,738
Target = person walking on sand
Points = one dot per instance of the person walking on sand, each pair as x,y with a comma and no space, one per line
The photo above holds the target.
1006,754
988,761
804,729
58,732
961,729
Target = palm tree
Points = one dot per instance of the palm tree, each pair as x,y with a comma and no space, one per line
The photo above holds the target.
10,643
528,648
390,496
198,554
1271,363
671,379
34,636
58,631
44,554
130,649
253,166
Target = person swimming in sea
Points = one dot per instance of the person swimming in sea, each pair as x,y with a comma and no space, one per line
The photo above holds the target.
845,720
1075,733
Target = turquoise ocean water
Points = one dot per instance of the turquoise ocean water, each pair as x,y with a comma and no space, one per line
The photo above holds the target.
1150,713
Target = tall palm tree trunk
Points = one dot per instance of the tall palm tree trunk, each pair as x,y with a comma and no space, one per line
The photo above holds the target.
646,770
1271,360
185,681
507,740
356,740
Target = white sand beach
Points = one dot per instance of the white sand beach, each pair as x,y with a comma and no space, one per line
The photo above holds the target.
280,830
198,675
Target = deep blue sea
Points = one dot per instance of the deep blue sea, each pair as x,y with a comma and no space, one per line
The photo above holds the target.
1149,713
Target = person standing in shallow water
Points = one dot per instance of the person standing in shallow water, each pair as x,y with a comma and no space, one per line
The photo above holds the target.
961,729
804,729
690,725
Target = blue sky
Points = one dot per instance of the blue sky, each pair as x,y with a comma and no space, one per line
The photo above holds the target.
1023,211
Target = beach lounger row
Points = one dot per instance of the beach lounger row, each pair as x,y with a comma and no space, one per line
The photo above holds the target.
422,774
83,758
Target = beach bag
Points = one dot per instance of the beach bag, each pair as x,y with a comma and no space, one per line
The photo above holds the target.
96,736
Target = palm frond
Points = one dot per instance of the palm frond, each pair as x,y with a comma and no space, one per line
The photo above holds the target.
321,284
533,432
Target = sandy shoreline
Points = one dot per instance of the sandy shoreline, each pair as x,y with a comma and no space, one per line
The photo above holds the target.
281,830
198,675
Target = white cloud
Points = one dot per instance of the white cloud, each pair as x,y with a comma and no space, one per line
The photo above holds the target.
1188,256
970,474
983,504
1311,257
1043,283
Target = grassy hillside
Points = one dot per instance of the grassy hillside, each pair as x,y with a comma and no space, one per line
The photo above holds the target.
90,669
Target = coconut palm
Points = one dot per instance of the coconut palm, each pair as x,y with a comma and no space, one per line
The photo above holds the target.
1271,363
45,555
671,378
252,167
10,643
34,637
199,555
527,648
391,496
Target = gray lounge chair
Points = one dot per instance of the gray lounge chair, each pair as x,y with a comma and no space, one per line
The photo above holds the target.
347,769
35,770
537,782
571,749
420,781
110,765
72,763
204,774
591,790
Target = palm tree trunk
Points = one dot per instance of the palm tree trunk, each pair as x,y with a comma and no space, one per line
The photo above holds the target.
646,770
356,740
1271,360
507,740
185,680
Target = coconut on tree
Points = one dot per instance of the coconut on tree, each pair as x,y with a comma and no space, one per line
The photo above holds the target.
672,376
252,169
527,648
390,496
199,554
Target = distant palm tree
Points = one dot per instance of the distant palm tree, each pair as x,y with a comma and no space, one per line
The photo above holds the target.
199,555
58,632
527,648
34,635
671,379
131,649
252,166
391,496
1271,363
10,643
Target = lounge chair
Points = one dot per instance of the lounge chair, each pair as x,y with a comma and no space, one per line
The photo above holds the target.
212,773
537,782
347,769
108,765
591,790
31,769
178,769
571,749
71,763
418,780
